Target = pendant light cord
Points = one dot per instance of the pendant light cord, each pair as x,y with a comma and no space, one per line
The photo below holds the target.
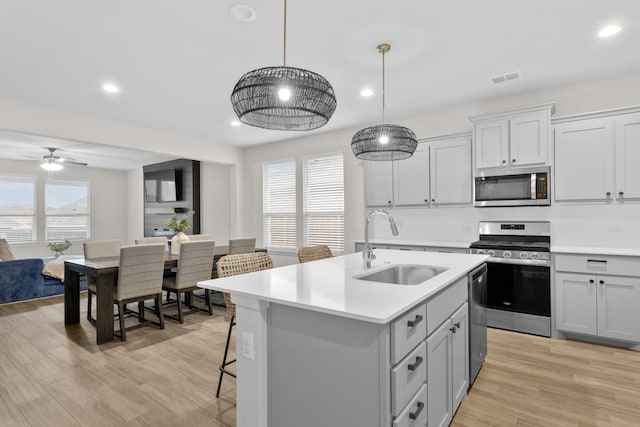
383,52
284,48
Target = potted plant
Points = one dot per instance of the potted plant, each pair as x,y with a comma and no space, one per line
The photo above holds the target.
179,226
58,248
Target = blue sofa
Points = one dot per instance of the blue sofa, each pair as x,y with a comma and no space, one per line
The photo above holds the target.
22,279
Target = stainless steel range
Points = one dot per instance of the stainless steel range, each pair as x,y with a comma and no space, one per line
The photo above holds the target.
518,274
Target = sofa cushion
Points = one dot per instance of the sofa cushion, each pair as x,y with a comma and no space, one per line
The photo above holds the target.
21,279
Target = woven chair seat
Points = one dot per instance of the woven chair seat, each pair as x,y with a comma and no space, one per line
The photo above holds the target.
233,265
313,253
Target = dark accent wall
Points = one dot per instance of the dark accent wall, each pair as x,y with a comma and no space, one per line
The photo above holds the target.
156,213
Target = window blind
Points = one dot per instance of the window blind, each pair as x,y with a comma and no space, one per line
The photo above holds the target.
18,208
279,205
66,210
323,201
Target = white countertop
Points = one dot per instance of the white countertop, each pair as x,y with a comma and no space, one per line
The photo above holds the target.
329,286
408,242
597,250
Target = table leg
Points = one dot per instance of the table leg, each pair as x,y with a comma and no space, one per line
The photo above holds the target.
71,296
104,307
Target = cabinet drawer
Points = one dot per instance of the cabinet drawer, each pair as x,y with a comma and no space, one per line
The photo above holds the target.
415,413
440,307
407,332
407,377
598,264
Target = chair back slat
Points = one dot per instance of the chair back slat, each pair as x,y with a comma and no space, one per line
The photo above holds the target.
313,253
195,263
140,271
233,265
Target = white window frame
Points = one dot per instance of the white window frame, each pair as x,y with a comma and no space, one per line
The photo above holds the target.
21,213
324,203
82,214
286,210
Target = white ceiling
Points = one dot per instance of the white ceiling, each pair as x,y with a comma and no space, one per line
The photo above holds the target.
177,61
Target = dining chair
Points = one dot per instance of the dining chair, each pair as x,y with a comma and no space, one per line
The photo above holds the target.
152,240
6,254
313,253
95,249
196,237
140,275
241,245
195,263
232,265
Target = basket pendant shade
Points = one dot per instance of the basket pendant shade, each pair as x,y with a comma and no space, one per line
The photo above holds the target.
384,141
283,98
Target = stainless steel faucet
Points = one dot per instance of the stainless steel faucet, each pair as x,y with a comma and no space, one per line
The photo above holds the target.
367,253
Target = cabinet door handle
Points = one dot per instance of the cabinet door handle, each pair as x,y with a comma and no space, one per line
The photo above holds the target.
414,365
507,303
591,281
416,414
457,325
513,160
504,162
433,200
620,193
608,193
453,329
426,200
602,282
414,322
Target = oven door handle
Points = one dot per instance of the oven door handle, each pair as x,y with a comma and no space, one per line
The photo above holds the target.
518,261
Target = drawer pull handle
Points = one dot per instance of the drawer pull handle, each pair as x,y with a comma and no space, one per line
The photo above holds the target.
413,366
416,414
414,322
507,303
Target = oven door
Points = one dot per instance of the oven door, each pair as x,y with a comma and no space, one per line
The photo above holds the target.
519,288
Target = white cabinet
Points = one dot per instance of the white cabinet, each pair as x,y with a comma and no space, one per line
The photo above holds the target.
379,183
411,178
450,171
512,138
438,173
596,159
593,298
448,368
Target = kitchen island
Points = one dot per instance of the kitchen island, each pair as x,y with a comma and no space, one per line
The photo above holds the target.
317,346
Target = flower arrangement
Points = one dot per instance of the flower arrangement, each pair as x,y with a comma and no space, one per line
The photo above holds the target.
58,248
179,225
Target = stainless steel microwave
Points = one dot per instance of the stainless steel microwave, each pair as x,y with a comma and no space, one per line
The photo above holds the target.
513,187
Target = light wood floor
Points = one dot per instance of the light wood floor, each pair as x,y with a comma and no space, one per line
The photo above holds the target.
56,376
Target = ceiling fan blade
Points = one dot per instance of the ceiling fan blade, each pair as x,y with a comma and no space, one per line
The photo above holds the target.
70,162
32,157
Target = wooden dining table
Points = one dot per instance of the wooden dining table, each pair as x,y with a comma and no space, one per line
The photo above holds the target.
105,270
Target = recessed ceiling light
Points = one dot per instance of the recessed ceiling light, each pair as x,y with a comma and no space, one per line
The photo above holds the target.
366,93
110,88
609,30
235,123
242,12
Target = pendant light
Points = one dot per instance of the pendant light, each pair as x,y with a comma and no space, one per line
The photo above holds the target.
283,98
384,141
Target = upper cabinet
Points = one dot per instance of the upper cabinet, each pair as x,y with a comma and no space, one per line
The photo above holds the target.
596,158
513,138
438,173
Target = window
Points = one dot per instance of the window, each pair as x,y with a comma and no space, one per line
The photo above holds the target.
18,208
66,210
279,205
323,201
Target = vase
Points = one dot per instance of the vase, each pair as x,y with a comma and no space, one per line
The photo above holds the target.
176,240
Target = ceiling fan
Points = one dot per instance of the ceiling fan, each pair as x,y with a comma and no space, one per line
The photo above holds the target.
52,163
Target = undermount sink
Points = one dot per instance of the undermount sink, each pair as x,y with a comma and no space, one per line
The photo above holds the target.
403,274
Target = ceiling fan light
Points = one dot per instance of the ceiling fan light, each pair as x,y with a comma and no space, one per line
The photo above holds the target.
51,166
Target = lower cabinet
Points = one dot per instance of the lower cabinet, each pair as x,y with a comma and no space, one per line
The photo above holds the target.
447,372
598,296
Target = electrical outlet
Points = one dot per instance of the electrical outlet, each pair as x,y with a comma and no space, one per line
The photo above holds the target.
247,345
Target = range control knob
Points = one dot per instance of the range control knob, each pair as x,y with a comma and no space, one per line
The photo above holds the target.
491,252
481,251
506,254
534,255
524,255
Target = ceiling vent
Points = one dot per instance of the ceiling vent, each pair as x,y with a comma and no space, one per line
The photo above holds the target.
505,77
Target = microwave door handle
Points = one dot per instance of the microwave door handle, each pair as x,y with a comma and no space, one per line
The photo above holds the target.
534,183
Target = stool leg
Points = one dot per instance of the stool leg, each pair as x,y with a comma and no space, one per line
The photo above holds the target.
224,359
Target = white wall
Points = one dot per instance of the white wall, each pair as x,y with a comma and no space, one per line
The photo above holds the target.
592,225
108,203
